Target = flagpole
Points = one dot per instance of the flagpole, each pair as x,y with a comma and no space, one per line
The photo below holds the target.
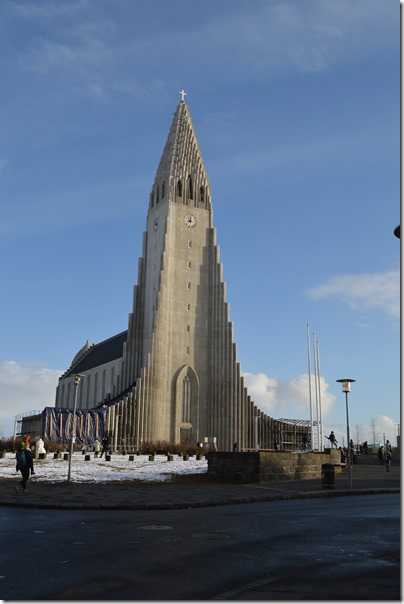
310,399
319,397
316,384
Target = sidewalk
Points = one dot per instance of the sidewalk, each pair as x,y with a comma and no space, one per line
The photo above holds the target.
193,491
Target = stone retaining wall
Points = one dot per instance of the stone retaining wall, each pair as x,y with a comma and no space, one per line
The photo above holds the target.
270,466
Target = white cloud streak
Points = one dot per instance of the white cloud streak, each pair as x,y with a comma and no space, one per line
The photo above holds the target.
369,291
307,37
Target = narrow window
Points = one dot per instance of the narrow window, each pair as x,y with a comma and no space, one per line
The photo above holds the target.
189,264
189,243
179,188
188,307
186,399
188,328
202,194
190,191
163,190
158,195
189,285
187,350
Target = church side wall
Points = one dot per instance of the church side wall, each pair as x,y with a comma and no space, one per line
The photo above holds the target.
99,385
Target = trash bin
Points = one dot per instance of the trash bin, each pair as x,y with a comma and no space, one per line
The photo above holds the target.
328,476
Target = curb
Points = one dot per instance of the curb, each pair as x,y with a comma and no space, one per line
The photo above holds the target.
201,504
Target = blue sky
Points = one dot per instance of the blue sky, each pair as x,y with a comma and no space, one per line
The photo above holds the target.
296,108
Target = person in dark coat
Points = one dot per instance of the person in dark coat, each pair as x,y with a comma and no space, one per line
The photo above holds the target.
105,445
380,454
25,465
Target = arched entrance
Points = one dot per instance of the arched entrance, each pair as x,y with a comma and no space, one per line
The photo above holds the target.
186,413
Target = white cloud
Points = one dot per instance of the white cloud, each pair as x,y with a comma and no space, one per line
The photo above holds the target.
288,399
24,387
46,10
372,291
307,37
3,165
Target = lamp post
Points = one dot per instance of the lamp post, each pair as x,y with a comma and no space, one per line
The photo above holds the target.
346,387
116,432
77,380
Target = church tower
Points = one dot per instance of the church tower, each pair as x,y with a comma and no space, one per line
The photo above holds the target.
180,353
173,376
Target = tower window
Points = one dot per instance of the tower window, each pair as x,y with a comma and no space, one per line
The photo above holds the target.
188,307
187,350
190,190
186,400
158,195
188,328
201,194
189,243
189,264
163,190
179,188
189,285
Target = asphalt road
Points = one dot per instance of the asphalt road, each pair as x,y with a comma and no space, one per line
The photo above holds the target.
342,548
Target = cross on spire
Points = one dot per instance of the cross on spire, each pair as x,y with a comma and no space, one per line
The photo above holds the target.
183,94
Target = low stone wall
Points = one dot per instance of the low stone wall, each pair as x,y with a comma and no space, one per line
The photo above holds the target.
270,466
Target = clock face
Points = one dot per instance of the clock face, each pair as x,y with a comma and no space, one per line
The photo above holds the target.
190,220
156,224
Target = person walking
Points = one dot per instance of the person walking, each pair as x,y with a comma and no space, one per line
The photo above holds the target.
25,465
105,445
380,454
388,459
332,439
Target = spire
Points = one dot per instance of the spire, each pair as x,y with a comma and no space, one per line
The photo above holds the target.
181,176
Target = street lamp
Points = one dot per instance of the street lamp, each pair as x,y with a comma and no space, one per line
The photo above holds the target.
346,387
77,379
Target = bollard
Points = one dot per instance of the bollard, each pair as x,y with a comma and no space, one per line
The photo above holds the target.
199,457
65,457
42,455
55,456
185,457
170,457
131,458
107,457
87,458
151,457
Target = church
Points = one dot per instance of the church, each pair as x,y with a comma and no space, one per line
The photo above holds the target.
173,375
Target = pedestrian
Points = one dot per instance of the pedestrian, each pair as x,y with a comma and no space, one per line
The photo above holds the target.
332,439
380,454
25,465
105,445
97,446
304,442
388,446
365,448
235,447
388,459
